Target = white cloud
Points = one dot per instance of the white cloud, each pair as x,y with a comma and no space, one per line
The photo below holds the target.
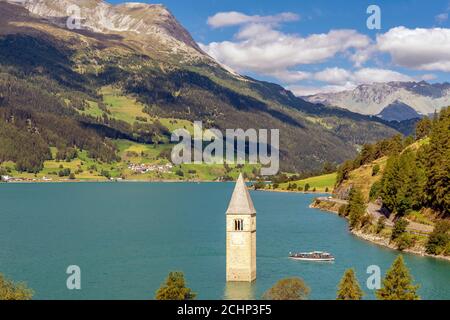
372,75
302,91
291,76
233,18
421,49
338,76
263,49
359,57
338,79
428,77
333,75
418,49
260,47
441,18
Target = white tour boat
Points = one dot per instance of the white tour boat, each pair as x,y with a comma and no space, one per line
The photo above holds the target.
312,256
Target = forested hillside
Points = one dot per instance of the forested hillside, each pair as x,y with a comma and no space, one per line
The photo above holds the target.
421,178
396,192
59,88
414,172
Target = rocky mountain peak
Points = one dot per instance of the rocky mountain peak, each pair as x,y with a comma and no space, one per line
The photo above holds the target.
138,21
398,111
422,97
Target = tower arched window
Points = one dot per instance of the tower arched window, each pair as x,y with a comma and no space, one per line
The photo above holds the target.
238,224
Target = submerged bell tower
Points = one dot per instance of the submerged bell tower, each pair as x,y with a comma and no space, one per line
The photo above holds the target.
241,235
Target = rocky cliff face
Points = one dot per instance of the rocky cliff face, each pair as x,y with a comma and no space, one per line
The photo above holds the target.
371,99
151,25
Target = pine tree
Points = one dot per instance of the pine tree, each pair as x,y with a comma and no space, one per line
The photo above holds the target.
356,208
375,169
390,183
437,165
405,196
439,240
395,144
366,155
343,171
423,128
397,284
349,288
175,288
399,228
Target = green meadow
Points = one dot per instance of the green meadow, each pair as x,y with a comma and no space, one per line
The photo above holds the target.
320,183
84,168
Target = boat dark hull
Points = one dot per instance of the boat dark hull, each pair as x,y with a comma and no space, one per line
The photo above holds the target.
313,259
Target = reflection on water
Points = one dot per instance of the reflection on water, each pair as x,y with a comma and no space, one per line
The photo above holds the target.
240,291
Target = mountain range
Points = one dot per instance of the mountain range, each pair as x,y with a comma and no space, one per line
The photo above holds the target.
53,79
372,99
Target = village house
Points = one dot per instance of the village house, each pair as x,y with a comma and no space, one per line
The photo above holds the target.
144,168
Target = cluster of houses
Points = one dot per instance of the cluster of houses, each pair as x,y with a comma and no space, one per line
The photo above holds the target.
144,168
12,179
6,178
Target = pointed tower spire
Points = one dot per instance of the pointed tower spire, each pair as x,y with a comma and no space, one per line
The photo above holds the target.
240,202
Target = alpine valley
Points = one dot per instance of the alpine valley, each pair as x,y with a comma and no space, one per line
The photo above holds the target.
109,94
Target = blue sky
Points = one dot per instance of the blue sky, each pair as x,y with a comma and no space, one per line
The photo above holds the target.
322,45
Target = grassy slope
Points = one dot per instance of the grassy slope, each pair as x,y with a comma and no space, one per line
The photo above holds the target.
129,152
122,107
362,177
93,110
126,108
141,153
319,182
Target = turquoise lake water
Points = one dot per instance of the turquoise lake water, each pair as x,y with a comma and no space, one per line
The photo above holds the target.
126,237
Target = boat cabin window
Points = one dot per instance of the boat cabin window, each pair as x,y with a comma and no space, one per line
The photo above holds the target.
238,225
